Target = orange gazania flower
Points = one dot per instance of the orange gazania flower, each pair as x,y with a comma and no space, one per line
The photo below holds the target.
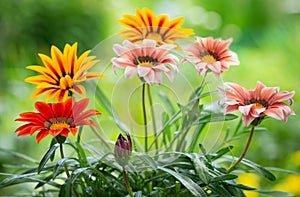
258,103
56,119
210,54
62,74
146,25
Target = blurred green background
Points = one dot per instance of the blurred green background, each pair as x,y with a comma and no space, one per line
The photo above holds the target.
266,37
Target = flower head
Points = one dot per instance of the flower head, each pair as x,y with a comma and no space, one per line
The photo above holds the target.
258,103
145,25
56,119
123,149
146,60
62,73
213,55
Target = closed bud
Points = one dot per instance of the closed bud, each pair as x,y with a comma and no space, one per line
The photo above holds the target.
123,149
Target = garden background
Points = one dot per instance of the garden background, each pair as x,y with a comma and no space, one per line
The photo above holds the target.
266,38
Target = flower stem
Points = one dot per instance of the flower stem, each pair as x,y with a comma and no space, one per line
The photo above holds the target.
244,152
152,116
127,182
145,117
63,156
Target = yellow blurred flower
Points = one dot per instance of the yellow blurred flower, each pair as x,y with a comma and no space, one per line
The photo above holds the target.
295,158
251,180
290,184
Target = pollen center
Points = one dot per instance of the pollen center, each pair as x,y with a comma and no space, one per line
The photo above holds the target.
146,61
208,59
258,105
155,36
66,82
59,126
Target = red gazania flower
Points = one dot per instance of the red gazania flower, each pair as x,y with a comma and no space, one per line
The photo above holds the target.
258,103
145,25
213,55
56,119
146,60
63,73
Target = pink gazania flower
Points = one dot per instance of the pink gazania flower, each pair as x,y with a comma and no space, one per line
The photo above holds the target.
146,60
210,54
56,119
258,103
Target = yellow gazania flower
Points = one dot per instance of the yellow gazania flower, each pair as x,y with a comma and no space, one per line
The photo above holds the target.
146,25
62,74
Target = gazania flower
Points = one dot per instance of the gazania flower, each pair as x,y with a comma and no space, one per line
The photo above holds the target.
213,55
62,74
56,119
145,25
147,60
258,103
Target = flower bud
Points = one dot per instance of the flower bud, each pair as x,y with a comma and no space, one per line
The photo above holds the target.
123,149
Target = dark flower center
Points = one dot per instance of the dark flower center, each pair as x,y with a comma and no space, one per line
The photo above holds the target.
209,57
258,103
145,61
59,123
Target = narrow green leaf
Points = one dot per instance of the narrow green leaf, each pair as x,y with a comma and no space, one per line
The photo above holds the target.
201,169
282,170
266,173
53,141
81,155
195,189
167,101
216,117
275,193
223,178
19,155
219,189
148,160
203,150
47,156
222,152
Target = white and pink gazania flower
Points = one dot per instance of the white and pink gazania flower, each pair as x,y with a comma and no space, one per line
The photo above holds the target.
210,54
258,103
146,60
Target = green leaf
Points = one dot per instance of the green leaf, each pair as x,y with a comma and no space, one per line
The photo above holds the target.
219,189
195,189
275,193
216,117
53,141
47,156
223,178
148,160
167,101
201,169
81,155
19,155
222,152
266,173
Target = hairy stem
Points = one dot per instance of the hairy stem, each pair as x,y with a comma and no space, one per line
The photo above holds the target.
145,117
153,117
244,152
127,182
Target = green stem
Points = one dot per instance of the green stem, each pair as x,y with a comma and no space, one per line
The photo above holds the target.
244,152
127,182
153,117
145,117
63,156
